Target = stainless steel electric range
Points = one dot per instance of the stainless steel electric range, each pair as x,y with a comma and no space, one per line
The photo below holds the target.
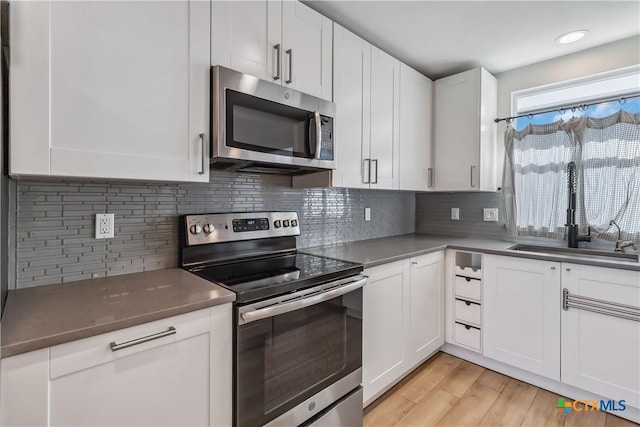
297,318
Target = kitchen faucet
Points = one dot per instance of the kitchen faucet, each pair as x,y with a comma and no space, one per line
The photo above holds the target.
573,236
621,244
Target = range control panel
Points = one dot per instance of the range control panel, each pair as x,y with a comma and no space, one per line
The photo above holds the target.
230,227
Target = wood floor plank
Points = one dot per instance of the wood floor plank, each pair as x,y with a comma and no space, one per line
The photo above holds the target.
429,410
613,421
585,418
493,380
429,376
511,406
458,381
542,411
388,412
471,408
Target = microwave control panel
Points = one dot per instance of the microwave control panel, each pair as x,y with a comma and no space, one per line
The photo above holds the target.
326,138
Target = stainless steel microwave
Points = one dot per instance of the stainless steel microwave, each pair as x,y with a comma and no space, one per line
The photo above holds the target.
260,126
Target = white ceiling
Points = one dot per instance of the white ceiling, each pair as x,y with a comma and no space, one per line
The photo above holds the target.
440,38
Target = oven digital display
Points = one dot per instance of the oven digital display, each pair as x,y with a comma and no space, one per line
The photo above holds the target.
252,224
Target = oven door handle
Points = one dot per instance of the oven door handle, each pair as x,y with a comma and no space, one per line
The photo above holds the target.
286,307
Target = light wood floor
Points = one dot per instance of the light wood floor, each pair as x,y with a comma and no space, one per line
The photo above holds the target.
447,391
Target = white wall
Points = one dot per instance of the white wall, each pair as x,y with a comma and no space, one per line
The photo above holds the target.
611,56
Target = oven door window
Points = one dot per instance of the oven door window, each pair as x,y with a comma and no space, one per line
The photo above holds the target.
283,360
260,125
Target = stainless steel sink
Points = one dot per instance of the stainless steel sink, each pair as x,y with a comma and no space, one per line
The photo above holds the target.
579,252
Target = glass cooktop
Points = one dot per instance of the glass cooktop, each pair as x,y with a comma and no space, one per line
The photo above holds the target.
260,278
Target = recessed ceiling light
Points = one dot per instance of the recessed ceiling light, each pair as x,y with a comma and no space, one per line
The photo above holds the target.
572,36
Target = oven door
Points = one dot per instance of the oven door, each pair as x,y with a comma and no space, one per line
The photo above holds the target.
298,354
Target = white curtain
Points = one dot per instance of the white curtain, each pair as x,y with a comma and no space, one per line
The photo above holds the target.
611,173
607,154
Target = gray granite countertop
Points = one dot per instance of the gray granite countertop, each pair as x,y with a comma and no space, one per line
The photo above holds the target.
44,316
387,249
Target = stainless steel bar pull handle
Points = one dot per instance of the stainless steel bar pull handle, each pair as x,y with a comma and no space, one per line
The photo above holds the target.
203,147
366,167
115,347
376,162
278,62
290,53
430,178
472,169
317,118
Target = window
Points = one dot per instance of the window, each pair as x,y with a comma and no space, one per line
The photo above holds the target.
604,142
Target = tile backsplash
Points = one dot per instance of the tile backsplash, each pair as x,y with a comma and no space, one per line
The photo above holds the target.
55,221
433,214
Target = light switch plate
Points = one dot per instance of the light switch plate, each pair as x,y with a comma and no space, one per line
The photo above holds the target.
490,214
367,214
455,214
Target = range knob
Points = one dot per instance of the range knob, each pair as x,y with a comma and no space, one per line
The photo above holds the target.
195,229
285,223
294,222
209,228
277,223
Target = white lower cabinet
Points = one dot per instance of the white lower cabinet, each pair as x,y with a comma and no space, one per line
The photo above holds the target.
403,322
181,377
601,352
521,313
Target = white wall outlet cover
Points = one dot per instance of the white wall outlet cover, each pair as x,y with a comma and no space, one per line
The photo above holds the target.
367,214
105,223
455,214
490,214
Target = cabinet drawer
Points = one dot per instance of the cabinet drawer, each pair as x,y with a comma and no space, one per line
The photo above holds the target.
468,312
467,336
476,273
88,352
467,287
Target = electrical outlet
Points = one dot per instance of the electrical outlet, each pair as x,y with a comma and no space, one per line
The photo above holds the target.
104,226
490,214
455,214
367,214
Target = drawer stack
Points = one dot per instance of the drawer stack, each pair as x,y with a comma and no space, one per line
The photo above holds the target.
467,303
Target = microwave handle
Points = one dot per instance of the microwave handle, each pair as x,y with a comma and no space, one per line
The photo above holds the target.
316,117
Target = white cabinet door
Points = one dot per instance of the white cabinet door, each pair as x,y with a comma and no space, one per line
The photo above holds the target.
110,89
415,170
465,134
521,313
239,37
601,353
385,327
384,129
183,378
426,305
307,55
352,61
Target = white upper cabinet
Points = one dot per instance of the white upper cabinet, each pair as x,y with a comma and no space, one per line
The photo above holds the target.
282,41
416,126
367,95
465,132
352,62
110,89
385,108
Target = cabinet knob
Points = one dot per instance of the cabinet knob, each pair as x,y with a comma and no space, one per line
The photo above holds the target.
567,269
414,262
553,268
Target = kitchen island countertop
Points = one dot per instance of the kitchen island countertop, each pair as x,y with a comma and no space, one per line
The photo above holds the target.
44,316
